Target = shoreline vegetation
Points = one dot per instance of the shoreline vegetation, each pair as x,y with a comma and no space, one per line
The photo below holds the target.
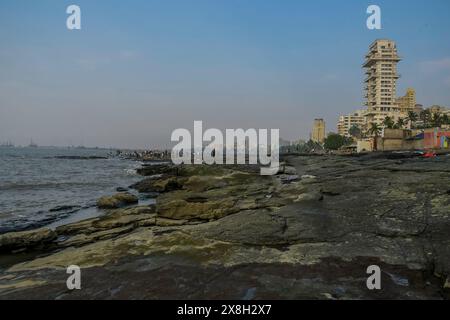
226,232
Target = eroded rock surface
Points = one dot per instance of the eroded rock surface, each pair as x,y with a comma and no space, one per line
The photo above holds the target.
227,232
118,200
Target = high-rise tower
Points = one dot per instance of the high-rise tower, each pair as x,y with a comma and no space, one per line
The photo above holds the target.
318,131
381,81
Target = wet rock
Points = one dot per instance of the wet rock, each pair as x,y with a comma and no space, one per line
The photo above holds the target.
204,183
291,171
81,157
310,196
183,210
288,178
447,283
83,239
26,239
64,208
116,201
160,185
155,169
113,219
163,222
257,237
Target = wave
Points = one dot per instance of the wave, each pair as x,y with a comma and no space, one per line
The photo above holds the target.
131,172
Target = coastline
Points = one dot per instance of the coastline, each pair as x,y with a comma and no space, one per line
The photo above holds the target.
41,186
225,232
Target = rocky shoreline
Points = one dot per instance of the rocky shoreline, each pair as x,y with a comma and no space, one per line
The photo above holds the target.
225,232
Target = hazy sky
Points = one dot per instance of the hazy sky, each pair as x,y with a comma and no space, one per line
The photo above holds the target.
140,69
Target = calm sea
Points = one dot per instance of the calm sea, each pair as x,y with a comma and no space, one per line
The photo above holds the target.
51,186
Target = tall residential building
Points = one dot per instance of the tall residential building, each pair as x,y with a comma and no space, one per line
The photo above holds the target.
407,102
348,121
318,131
381,81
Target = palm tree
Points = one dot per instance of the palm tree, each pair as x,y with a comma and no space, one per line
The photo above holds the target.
355,131
401,123
388,122
436,120
374,130
412,117
425,116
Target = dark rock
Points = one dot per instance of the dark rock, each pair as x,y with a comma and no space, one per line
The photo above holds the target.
162,184
155,169
64,208
116,201
26,239
81,157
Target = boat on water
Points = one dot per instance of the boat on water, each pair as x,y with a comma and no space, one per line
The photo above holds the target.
32,144
7,144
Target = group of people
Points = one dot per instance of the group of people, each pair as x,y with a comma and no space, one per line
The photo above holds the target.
143,154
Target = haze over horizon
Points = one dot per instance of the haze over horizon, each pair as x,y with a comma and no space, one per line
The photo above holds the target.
137,70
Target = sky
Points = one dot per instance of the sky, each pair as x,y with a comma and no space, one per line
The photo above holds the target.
137,70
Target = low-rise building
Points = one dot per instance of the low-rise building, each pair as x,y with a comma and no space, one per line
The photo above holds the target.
399,139
346,122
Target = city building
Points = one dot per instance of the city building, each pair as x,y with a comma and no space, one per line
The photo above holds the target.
407,102
318,131
380,91
438,109
381,81
348,121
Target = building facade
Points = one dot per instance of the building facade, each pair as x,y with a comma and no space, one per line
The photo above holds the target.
346,122
318,131
407,102
381,81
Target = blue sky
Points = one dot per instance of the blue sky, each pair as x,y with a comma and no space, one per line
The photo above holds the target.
140,69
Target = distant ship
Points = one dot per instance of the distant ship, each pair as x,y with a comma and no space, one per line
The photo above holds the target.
32,144
7,144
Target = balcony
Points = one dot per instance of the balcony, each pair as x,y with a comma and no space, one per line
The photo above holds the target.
372,59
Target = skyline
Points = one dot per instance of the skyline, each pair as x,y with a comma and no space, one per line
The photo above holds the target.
135,73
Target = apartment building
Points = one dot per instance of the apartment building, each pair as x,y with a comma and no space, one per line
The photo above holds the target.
346,122
407,102
381,81
318,131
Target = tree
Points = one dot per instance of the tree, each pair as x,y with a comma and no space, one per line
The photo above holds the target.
412,116
335,141
374,130
445,119
355,131
425,116
400,123
388,122
436,119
